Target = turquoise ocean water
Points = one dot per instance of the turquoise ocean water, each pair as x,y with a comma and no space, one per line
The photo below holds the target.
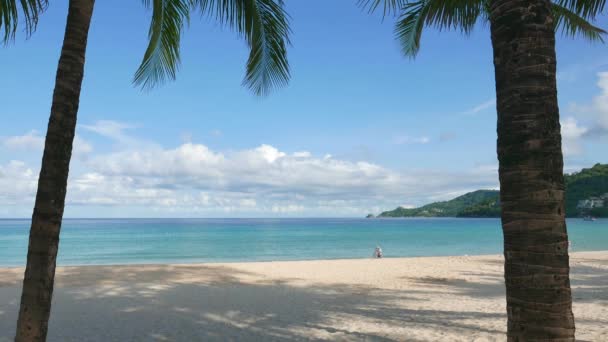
135,241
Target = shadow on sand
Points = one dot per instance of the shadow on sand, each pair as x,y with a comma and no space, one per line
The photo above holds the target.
116,304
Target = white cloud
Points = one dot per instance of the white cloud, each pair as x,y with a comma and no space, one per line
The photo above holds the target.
195,165
262,179
481,107
406,139
17,183
34,142
572,133
111,129
81,146
302,154
289,208
595,113
269,153
186,160
29,141
194,180
486,168
118,132
586,121
601,102
571,129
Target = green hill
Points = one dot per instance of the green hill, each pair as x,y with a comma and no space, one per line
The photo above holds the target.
488,208
449,208
587,184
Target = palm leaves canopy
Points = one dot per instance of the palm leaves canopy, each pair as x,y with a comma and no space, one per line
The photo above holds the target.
263,24
12,10
462,15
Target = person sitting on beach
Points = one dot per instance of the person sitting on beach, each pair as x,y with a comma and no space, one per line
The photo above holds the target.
378,252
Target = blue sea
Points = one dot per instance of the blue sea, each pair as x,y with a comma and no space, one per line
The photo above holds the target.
138,241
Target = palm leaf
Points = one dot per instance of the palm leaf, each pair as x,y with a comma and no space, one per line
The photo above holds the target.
454,14
267,66
265,26
572,24
459,15
161,59
389,6
9,16
408,29
584,8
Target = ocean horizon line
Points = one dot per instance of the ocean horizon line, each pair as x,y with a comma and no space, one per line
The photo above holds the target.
263,218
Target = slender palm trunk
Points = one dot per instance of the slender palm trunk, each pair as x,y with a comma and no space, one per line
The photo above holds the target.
539,302
50,198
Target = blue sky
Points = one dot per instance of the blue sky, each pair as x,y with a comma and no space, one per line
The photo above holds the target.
359,129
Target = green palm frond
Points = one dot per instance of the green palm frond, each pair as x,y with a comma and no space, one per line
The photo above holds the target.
572,24
584,8
442,14
388,6
267,66
265,26
454,14
408,29
9,16
161,59
462,15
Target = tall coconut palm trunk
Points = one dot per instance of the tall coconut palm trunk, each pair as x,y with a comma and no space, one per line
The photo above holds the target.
539,302
50,198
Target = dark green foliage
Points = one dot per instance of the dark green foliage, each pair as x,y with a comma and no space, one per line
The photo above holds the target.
585,184
388,6
263,24
585,8
442,14
486,203
12,10
487,208
572,24
449,208
571,17
598,212
161,58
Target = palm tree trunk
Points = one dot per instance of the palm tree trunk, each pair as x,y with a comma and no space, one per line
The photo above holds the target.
539,301
52,182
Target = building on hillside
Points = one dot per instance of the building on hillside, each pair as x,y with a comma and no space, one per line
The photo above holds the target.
592,202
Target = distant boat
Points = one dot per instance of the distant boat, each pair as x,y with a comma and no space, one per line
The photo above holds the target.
589,218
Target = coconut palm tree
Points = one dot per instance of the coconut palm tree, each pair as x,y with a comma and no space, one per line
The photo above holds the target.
539,301
262,23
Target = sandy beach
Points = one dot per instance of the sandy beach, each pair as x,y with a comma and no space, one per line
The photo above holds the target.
401,299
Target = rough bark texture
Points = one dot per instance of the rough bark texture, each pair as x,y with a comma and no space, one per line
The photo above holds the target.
539,302
50,198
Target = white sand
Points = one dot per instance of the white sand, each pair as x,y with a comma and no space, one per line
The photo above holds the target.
407,299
